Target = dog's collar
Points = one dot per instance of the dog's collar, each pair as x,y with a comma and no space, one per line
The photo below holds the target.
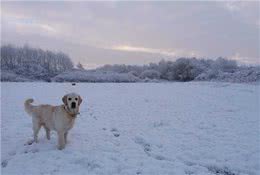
69,113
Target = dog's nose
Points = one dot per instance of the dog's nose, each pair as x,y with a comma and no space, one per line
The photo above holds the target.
73,105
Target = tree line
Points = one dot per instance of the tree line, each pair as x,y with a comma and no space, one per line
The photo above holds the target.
26,63
183,69
34,63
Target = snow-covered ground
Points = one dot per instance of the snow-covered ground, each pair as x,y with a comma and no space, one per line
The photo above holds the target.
140,128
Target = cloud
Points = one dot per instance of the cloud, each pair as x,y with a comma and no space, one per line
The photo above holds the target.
239,6
135,32
243,59
165,52
233,5
26,24
143,49
246,11
48,28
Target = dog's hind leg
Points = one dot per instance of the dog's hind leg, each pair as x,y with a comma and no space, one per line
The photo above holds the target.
48,136
36,129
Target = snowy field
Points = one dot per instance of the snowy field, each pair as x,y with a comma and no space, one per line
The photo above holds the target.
140,128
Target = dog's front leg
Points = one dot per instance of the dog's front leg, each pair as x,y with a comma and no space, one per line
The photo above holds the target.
65,136
61,140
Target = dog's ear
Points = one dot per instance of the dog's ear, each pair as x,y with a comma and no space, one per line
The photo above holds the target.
64,99
80,100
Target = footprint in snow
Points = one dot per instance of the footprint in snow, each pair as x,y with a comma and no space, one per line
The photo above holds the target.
31,151
115,132
143,143
12,153
147,147
221,171
4,163
148,150
29,142
138,172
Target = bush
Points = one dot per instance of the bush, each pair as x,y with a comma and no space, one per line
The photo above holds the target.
225,65
184,69
94,76
151,74
12,77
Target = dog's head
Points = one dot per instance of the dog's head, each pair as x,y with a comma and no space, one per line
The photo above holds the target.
72,101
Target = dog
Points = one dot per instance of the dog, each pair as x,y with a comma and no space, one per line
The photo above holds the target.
58,118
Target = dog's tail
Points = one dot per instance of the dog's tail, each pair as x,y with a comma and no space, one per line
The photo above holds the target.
28,106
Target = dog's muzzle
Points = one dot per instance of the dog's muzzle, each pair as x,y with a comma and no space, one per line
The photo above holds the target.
73,105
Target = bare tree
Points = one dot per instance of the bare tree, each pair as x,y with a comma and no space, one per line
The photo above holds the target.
80,66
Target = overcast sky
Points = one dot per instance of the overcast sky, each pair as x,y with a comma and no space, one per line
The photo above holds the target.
98,33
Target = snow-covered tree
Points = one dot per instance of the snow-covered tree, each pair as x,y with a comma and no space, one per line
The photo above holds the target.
225,65
34,63
26,63
151,74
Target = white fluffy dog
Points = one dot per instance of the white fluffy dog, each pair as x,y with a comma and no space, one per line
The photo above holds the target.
59,118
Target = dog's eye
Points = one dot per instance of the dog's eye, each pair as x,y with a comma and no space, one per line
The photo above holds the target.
76,99
69,99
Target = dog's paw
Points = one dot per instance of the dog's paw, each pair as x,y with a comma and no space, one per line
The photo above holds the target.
61,147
